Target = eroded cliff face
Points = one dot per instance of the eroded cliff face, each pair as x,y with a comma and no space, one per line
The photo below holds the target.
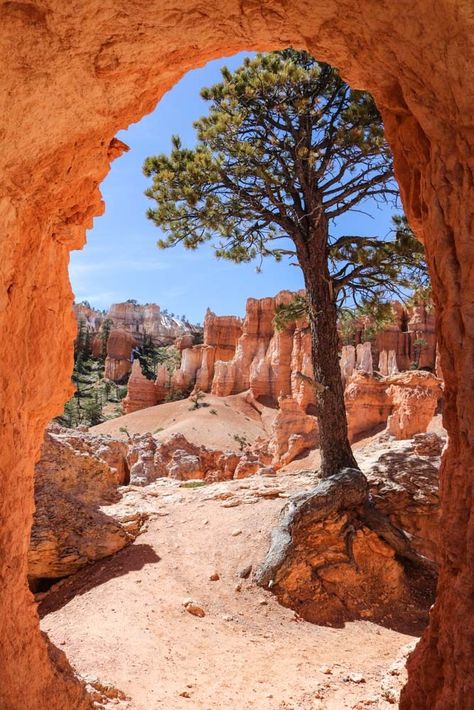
78,76
250,354
137,319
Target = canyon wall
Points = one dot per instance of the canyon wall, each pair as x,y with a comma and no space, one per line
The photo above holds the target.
238,355
138,320
80,74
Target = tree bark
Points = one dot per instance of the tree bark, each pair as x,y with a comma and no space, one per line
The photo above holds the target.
336,452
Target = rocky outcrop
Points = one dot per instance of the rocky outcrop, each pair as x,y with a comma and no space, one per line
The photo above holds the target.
76,473
404,485
293,433
88,466
68,534
118,363
91,317
404,402
178,458
51,193
367,405
141,392
332,559
147,320
414,397
252,355
222,333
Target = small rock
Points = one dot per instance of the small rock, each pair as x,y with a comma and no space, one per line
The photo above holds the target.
228,617
266,471
354,678
262,602
269,493
245,572
231,503
214,577
236,532
238,588
326,670
390,694
194,609
184,694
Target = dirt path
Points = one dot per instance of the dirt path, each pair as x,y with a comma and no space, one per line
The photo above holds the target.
124,622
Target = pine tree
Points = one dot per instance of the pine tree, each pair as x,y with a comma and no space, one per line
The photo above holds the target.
286,148
107,326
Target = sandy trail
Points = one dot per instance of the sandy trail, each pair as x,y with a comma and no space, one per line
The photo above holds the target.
123,620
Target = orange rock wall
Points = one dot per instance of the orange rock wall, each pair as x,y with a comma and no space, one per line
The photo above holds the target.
81,72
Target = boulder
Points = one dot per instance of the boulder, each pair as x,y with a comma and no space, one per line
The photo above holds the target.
334,558
75,474
68,534
404,485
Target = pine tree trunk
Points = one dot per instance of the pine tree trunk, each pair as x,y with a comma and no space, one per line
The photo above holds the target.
336,452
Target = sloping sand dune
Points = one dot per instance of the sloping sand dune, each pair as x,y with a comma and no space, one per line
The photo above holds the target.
215,425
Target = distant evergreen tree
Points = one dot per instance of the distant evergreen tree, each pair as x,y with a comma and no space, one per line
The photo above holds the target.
107,326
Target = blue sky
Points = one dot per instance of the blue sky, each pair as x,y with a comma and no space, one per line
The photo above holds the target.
121,260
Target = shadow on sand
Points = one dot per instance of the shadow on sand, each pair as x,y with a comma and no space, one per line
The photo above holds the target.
130,559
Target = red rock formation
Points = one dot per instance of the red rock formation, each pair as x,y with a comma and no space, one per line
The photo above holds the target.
329,562
302,370
87,465
184,341
119,349
250,354
147,320
222,333
90,316
367,405
76,472
414,397
404,485
293,432
178,458
141,392
122,60
406,402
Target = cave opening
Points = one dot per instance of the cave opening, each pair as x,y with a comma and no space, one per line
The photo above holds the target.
98,276
64,195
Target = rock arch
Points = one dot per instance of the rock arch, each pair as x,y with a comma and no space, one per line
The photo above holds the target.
73,74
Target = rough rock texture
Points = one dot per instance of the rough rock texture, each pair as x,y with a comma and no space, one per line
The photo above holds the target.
367,404
141,392
293,432
81,74
147,320
178,458
77,472
347,362
364,361
239,355
68,534
404,485
89,466
326,562
414,396
119,349
405,402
